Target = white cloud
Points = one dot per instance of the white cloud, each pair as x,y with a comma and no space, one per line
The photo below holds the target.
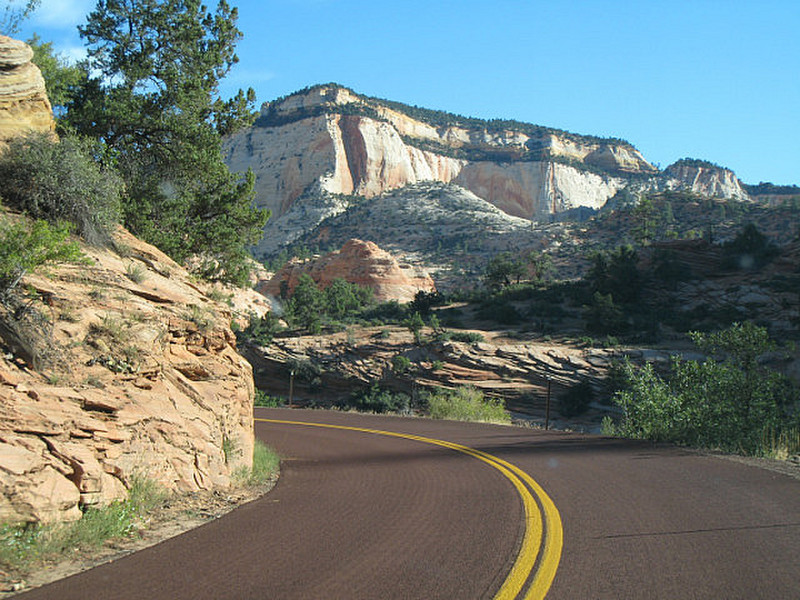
62,14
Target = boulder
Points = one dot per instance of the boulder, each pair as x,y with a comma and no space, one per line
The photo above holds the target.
24,105
359,262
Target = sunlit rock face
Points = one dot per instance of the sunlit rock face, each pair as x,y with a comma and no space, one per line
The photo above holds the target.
23,100
317,151
314,150
359,262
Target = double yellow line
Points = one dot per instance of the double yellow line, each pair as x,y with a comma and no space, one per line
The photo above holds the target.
535,567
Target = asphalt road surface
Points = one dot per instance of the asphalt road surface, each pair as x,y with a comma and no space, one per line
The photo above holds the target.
460,510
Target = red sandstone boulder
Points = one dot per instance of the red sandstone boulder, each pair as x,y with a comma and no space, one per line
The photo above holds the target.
359,262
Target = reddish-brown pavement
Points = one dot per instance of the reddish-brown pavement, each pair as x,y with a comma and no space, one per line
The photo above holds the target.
358,515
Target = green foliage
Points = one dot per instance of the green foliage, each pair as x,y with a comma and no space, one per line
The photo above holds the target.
502,270
343,299
23,547
260,330
62,80
266,464
310,307
60,180
414,324
466,403
616,272
25,246
152,98
265,400
733,404
749,250
14,13
378,400
576,399
603,316
469,337
423,302
400,364
304,308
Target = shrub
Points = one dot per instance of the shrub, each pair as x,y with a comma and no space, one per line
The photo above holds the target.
576,400
379,400
61,181
733,404
400,364
266,464
25,246
260,330
469,337
23,547
265,400
466,404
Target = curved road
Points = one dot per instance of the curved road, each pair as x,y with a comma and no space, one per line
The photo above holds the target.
358,514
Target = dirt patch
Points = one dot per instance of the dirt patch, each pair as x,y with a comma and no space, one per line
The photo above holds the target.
178,514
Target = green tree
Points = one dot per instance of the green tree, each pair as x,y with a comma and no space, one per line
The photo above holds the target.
616,272
502,270
14,13
414,324
305,306
645,219
539,265
152,98
343,298
62,79
731,402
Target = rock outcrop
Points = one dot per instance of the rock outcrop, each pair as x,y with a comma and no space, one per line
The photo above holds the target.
330,140
138,376
316,151
24,105
359,262
705,179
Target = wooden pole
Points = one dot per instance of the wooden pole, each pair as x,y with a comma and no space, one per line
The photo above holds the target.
547,411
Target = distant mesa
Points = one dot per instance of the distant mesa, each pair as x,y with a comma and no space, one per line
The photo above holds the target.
318,151
359,262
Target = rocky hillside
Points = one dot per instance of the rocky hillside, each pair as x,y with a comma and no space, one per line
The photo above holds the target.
136,373
317,151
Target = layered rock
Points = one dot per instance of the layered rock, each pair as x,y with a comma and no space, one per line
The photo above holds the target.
141,377
24,105
329,140
358,262
705,179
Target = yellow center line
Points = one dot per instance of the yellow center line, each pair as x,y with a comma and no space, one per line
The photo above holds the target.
534,525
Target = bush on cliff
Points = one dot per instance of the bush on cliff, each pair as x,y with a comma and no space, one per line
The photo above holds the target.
62,181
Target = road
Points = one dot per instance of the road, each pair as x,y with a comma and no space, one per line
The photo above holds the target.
361,514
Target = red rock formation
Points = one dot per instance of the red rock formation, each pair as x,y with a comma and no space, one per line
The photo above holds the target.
359,262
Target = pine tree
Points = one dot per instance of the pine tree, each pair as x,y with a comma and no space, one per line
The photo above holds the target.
153,100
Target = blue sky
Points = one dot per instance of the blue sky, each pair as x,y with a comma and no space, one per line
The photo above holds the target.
712,79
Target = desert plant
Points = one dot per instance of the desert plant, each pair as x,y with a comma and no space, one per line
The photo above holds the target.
61,181
400,364
466,403
734,403
135,272
25,246
24,547
576,399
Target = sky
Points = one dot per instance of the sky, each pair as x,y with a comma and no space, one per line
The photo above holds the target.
711,79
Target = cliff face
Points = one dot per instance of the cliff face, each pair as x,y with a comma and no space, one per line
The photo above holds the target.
705,179
23,101
331,140
131,379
